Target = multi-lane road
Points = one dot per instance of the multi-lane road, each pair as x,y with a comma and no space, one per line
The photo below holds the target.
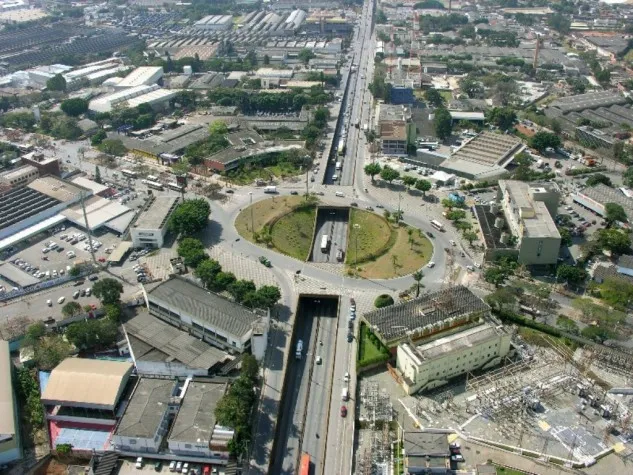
331,223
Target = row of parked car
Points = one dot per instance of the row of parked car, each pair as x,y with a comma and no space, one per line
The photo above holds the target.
36,272
179,467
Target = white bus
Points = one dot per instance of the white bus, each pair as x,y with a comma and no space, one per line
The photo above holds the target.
339,165
172,185
325,243
152,177
129,173
153,184
341,147
437,225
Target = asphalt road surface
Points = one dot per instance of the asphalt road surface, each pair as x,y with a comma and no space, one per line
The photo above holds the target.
299,417
333,223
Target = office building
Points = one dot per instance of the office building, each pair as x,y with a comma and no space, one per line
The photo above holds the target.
150,228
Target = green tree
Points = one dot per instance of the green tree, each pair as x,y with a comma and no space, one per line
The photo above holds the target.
56,83
409,181
108,291
502,299
113,147
98,137
71,309
268,295
560,23
92,333
389,174
383,300
417,276
495,275
443,123
598,178
34,332
614,213
223,280
542,140
266,60
218,127
207,272
471,87
192,251
50,351
190,217
18,120
372,169
565,237
113,312
456,215
305,55
423,185
240,288
433,97
74,271
613,240
74,107
502,117
571,274
98,175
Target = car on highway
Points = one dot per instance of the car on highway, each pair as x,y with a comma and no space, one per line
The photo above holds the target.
49,302
430,265
93,277
265,261
346,377
229,191
350,337
379,206
318,360
343,411
294,192
353,203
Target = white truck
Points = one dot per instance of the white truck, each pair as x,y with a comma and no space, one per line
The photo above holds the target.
270,189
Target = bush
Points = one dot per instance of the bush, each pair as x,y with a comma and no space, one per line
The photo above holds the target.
383,300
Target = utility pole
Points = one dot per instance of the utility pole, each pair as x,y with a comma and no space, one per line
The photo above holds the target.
83,208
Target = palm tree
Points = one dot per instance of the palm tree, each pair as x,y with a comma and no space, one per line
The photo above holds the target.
417,276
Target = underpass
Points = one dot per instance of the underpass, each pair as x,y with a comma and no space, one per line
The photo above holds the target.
330,235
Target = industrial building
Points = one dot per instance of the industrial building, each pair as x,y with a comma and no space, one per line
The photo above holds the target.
10,445
150,228
165,142
425,316
19,177
425,452
595,198
209,316
142,76
521,222
214,23
132,97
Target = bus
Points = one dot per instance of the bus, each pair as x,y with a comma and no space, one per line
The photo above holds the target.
172,185
153,184
129,173
437,225
341,147
325,243
304,466
428,144
152,177
339,165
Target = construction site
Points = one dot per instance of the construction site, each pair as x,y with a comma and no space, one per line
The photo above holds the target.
547,403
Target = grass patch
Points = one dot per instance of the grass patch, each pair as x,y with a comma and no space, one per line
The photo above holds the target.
409,252
248,175
292,233
374,234
264,212
447,95
370,349
508,471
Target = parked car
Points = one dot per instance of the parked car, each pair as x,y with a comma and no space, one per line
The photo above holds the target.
343,411
139,462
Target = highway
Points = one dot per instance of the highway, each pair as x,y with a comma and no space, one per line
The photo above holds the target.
333,223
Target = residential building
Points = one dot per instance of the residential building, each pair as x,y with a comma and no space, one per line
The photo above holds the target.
393,137
194,431
10,446
435,363
19,177
595,198
425,452
521,222
208,316
150,228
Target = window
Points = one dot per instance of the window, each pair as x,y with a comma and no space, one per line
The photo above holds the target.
187,446
132,442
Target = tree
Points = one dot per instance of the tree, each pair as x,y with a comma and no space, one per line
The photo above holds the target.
113,312
542,140
614,213
108,291
98,137
433,97
223,280
93,333
383,300
190,217
456,215
417,276
423,185
71,309
192,251
98,175
50,351
613,240
113,147
443,123
502,117
18,120
74,107
34,333
305,55
389,174
240,288
218,127
560,23
74,271
470,236
471,87
266,60
495,275
565,237
501,299
571,274
372,169
56,83
409,181
268,295
597,178
207,271
617,292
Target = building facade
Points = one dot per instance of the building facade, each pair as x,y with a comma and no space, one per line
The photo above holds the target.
150,229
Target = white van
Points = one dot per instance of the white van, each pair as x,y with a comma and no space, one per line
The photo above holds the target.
345,394
340,194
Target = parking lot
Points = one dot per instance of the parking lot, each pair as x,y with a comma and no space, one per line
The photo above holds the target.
128,467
